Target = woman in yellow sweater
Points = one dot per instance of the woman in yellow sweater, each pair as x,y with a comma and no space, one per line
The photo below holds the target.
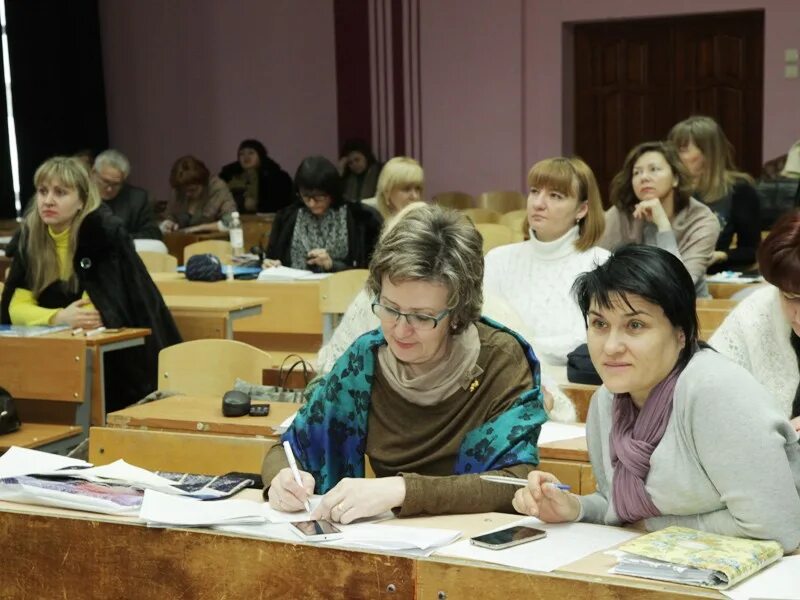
76,265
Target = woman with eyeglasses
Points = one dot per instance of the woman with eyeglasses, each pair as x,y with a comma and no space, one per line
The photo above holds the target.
434,397
321,232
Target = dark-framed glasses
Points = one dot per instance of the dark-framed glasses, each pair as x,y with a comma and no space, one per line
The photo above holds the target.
415,320
309,197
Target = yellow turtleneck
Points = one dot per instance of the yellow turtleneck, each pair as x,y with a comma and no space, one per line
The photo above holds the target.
24,309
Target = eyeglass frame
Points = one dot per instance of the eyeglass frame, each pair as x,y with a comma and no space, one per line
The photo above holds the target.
436,319
105,183
315,197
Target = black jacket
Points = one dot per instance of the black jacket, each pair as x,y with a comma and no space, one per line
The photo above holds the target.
274,184
133,207
113,275
363,228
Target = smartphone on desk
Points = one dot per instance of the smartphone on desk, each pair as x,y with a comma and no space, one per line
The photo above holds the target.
315,531
506,538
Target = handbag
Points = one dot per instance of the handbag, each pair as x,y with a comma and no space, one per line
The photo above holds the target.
778,196
9,417
204,267
290,382
580,368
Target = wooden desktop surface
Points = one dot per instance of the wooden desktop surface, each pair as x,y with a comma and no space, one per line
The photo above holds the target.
212,304
71,554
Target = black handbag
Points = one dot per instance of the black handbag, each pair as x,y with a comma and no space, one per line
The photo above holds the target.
580,368
9,418
204,267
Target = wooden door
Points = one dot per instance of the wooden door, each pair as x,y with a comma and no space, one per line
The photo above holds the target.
634,79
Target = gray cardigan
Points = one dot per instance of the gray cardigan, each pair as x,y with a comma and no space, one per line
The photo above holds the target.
729,462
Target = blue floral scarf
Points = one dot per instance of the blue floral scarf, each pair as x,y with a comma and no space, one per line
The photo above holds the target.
329,434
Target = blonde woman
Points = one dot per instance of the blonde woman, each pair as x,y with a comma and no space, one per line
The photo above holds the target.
708,156
401,182
76,265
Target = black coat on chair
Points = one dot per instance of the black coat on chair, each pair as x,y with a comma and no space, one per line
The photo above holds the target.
120,288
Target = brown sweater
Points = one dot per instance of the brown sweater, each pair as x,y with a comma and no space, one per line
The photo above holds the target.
422,443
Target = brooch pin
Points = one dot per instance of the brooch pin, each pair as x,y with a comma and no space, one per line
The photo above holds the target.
474,385
86,263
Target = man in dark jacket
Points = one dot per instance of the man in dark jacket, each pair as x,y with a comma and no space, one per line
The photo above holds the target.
131,204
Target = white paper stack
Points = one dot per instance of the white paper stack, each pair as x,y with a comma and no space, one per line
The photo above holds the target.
565,543
420,541
556,432
160,510
288,274
24,461
284,426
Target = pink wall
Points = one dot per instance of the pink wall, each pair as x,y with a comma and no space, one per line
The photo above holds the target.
198,76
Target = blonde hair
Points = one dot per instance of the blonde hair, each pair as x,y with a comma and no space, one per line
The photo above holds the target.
43,265
399,171
573,178
719,173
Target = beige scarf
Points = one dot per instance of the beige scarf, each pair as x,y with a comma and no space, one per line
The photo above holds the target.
457,369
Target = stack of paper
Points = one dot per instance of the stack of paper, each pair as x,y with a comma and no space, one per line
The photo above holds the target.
71,493
284,426
167,510
565,543
289,274
780,581
556,432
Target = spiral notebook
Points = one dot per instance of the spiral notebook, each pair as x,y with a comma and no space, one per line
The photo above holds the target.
682,555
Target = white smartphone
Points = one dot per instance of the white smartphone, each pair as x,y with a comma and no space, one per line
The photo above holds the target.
506,538
315,531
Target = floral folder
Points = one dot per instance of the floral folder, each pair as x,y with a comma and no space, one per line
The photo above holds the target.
683,555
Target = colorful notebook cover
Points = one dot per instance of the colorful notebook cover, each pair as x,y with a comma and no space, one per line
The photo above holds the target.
683,555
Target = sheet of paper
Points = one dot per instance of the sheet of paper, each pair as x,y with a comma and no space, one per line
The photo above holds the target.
120,471
779,581
24,461
555,432
165,509
278,516
284,426
565,543
288,274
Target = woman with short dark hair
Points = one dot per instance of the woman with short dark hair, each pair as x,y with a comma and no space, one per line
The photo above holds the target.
320,231
652,204
434,396
360,170
678,434
761,333
257,182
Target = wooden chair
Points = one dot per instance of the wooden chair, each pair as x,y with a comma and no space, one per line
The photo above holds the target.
457,200
516,220
222,248
157,262
495,235
502,201
335,295
209,367
256,232
711,318
481,215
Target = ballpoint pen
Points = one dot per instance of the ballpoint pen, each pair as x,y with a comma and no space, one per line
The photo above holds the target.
293,466
520,482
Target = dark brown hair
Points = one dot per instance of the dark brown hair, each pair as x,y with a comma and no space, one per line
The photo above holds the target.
188,170
779,254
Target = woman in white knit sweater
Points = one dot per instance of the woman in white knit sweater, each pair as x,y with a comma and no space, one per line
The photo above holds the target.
565,215
761,333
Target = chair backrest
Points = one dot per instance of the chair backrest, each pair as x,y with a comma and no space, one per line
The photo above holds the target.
516,220
156,262
495,235
210,367
501,201
222,248
454,200
481,215
335,295
255,232
150,246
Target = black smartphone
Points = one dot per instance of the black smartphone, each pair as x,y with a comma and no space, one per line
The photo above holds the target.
259,410
506,538
315,531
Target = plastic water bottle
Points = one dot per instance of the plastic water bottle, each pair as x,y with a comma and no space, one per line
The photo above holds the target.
237,235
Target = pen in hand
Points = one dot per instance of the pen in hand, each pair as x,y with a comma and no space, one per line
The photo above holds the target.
520,482
293,466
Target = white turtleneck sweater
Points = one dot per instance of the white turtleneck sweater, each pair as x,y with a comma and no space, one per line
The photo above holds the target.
535,278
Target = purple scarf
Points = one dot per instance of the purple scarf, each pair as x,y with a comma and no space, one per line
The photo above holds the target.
634,436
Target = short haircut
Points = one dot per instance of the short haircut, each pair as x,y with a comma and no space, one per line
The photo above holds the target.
115,159
435,244
574,178
358,145
622,194
188,170
320,174
399,171
719,174
651,273
779,254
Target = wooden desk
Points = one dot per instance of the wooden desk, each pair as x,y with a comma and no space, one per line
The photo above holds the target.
202,317
727,289
71,554
176,241
289,322
187,433
569,461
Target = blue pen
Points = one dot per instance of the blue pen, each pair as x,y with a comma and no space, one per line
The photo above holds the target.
520,482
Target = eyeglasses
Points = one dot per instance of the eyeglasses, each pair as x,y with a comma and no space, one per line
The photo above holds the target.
313,196
112,185
415,320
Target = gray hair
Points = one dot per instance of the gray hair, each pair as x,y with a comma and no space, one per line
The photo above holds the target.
113,158
436,244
